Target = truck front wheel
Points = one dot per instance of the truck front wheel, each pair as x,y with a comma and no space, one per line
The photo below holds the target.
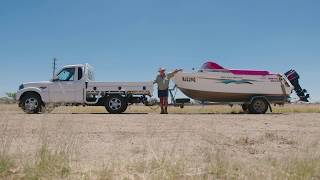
116,104
31,103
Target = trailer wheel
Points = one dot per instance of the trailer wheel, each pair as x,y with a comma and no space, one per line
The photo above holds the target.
116,104
31,103
258,106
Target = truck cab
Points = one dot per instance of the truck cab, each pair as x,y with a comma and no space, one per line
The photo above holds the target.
67,86
75,85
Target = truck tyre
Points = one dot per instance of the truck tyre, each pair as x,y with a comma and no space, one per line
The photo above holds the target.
116,104
258,106
31,103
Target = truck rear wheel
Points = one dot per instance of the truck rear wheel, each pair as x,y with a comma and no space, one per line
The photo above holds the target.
258,106
116,104
31,103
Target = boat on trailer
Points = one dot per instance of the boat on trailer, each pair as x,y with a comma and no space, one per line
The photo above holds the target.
254,89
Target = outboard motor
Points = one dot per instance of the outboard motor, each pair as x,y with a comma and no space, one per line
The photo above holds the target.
293,77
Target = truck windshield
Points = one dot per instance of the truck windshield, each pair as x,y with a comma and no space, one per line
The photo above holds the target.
66,74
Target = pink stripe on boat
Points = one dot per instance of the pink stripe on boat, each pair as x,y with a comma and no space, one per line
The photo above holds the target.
250,72
215,66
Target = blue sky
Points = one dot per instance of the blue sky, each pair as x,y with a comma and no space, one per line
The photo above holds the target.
129,40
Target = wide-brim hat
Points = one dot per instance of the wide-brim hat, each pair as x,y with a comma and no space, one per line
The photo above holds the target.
162,69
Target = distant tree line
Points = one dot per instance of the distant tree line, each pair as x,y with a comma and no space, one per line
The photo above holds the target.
9,99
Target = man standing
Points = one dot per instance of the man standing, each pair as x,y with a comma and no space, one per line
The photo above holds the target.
162,80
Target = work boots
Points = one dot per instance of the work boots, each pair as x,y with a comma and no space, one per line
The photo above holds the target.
164,110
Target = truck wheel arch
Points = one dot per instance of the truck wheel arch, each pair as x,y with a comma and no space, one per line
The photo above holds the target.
31,92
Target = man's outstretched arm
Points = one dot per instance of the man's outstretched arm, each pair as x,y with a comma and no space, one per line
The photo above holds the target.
170,75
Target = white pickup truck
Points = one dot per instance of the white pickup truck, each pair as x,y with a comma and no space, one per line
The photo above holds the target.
75,85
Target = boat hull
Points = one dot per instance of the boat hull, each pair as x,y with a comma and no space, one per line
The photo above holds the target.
227,87
227,97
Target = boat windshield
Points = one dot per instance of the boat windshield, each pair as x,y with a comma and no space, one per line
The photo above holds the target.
210,66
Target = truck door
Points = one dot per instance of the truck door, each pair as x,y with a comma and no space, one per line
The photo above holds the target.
68,87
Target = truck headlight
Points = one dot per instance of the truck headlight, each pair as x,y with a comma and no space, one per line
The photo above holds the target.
21,86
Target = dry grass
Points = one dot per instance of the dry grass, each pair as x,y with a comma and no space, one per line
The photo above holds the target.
208,109
298,108
49,161
275,148
218,165
6,161
48,164
198,109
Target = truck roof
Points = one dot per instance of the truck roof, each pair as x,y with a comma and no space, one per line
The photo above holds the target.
77,65
73,65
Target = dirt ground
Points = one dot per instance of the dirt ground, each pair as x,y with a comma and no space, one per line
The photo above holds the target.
98,138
